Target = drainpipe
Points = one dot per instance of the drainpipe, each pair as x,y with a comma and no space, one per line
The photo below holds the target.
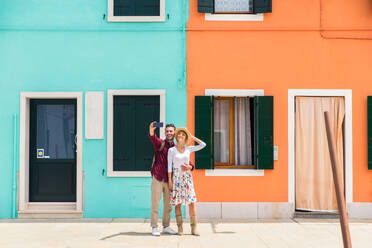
184,58
184,33
14,173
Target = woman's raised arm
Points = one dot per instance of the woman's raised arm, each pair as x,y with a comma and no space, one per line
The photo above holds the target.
200,145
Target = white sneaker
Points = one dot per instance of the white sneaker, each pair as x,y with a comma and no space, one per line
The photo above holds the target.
169,230
155,231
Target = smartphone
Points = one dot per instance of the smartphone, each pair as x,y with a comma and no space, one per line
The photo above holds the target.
158,124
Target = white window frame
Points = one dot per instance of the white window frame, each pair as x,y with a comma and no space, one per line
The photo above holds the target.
110,128
234,17
347,94
232,93
52,209
112,18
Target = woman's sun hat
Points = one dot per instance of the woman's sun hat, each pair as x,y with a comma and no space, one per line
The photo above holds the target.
188,134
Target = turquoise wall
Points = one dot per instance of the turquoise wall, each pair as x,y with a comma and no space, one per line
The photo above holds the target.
53,45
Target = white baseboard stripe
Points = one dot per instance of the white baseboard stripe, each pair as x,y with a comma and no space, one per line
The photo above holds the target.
359,210
244,210
266,210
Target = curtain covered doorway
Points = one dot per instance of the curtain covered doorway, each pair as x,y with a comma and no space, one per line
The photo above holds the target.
315,189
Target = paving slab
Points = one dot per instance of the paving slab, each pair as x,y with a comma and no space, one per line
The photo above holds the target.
214,233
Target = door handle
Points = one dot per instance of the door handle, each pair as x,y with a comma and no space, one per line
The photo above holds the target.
75,141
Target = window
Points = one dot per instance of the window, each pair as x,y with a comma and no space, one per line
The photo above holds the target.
238,132
234,6
232,133
136,10
129,150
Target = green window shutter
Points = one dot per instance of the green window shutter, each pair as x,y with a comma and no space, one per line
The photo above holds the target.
369,121
124,133
147,7
204,131
147,109
133,150
262,6
136,7
205,6
124,8
263,132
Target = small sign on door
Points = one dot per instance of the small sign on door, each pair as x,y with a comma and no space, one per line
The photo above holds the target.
40,153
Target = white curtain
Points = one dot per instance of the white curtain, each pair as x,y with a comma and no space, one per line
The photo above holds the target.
242,132
236,6
221,131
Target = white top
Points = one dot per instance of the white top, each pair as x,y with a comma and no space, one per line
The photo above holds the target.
177,159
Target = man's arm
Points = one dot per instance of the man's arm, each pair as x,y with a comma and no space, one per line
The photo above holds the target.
156,142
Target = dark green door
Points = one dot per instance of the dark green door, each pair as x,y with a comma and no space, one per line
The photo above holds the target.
52,150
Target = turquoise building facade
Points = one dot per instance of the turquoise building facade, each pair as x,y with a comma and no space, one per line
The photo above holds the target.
51,46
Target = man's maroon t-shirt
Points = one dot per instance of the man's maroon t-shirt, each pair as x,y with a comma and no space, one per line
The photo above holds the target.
160,168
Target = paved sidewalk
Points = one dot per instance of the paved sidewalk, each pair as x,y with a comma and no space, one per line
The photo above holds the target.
91,233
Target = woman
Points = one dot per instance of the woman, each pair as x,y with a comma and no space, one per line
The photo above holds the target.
181,184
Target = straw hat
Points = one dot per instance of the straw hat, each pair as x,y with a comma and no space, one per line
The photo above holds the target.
188,134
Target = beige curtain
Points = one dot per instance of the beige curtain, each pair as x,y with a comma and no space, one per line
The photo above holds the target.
314,180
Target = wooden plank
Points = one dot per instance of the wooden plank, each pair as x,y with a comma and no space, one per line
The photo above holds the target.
338,187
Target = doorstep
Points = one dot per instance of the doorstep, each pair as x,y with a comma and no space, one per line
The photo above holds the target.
50,210
50,214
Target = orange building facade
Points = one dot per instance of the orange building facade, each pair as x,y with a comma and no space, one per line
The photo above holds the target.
314,49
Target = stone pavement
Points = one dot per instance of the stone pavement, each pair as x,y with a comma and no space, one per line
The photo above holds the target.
112,233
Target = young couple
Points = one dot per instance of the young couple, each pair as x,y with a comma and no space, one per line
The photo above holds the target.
171,175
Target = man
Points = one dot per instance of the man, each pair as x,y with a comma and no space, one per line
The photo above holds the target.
159,185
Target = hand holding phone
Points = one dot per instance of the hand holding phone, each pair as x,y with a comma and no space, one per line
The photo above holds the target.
158,124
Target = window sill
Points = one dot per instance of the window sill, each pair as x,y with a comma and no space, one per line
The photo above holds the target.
129,174
136,18
234,167
235,172
234,17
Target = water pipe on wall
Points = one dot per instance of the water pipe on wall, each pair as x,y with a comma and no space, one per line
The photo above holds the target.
184,34
350,37
319,28
14,172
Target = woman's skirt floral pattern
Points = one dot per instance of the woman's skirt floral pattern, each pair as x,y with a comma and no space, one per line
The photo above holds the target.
183,188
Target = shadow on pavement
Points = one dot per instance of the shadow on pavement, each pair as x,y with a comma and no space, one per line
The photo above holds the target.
131,234
127,234
149,234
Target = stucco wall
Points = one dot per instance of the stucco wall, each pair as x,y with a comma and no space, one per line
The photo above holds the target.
285,51
68,46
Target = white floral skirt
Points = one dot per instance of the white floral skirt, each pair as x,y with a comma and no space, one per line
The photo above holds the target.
183,188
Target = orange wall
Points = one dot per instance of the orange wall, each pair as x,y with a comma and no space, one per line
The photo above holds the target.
285,51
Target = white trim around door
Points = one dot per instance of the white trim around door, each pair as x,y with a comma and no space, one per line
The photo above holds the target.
110,128
27,209
347,94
